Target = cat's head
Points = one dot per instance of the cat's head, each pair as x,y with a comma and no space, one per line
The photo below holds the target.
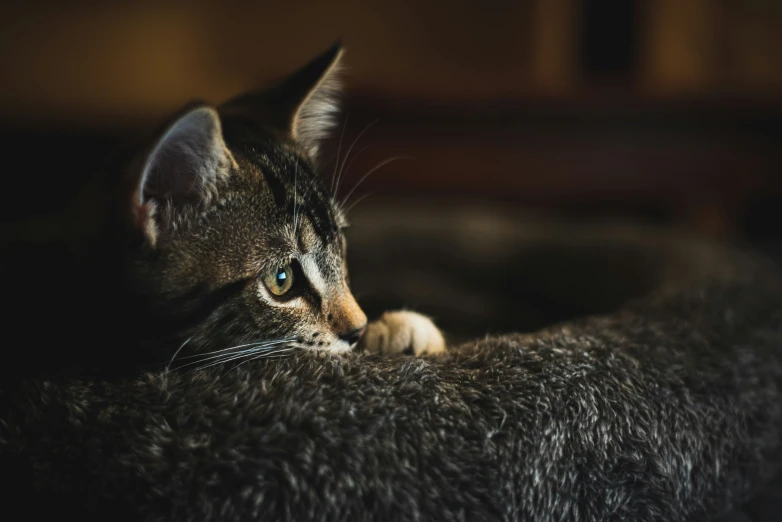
237,238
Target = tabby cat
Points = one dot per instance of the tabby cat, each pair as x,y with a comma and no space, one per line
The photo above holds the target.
236,246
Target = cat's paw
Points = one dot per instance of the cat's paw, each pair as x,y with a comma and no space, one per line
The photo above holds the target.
403,332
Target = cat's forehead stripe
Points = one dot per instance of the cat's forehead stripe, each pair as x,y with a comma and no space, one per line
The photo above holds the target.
296,189
276,185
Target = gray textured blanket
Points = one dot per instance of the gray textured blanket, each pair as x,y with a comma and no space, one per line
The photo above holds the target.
660,403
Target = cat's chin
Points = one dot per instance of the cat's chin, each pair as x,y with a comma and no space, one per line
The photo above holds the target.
337,347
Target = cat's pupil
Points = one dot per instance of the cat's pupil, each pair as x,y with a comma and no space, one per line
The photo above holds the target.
280,280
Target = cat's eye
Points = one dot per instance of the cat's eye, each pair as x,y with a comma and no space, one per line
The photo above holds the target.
279,280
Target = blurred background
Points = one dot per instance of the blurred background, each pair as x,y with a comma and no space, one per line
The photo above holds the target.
663,111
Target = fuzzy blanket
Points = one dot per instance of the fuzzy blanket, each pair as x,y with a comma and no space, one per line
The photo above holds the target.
666,409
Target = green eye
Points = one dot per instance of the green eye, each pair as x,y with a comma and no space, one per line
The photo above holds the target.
280,280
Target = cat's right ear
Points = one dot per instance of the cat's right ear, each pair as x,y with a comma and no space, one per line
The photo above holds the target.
183,167
304,106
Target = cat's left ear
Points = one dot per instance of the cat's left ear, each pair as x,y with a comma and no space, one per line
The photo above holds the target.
304,106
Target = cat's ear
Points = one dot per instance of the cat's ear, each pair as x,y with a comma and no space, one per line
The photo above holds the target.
183,166
317,87
304,106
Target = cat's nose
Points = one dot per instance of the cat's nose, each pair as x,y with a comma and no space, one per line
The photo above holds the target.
353,336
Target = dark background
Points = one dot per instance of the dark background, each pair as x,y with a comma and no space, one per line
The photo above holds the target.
662,111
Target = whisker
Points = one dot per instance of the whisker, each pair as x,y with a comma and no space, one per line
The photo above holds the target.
270,355
354,159
238,353
339,148
232,357
177,353
342,167
373,170
359,200
223,357
254,344
295,189
227,358
323,165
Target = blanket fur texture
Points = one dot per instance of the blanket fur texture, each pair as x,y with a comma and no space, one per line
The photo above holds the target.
666,409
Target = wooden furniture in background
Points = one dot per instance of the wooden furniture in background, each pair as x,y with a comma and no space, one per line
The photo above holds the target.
668,108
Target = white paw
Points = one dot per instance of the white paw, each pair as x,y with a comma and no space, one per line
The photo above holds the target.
403,332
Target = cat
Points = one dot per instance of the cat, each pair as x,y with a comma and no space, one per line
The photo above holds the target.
233,239
665,409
